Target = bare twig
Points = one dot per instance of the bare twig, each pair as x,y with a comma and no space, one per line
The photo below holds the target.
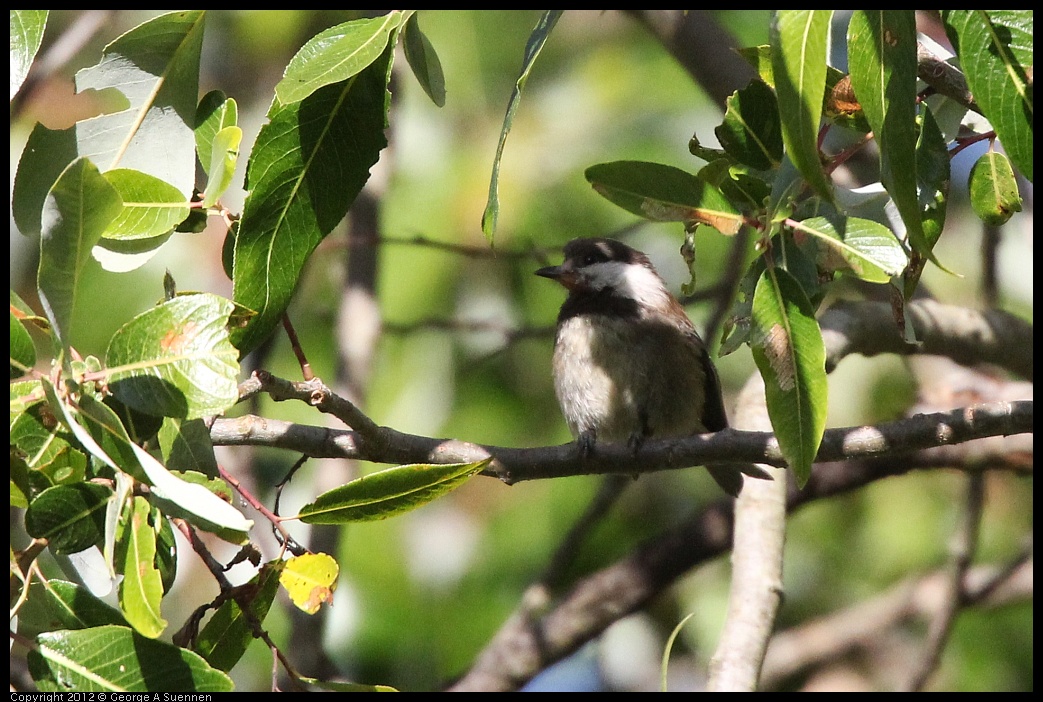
836,635
962,546
295,344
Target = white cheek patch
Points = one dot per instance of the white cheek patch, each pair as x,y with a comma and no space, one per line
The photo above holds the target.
636,282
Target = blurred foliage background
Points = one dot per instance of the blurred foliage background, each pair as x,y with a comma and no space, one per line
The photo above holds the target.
465,352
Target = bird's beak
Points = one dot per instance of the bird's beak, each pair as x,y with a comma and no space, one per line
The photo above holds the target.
563,274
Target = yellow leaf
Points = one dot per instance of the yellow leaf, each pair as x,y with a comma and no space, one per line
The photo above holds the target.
310,580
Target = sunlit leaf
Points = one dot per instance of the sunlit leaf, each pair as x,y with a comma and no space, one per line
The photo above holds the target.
664,194
141,589
27,27
994,190
117,659
77,210
423,61
869,249
800,41
70,517
98,429
336,54
156,66
996,50
216,111
307,166
388,492
150,206
788,349
310,580
224,157
537,39
125,255
176,359
882,55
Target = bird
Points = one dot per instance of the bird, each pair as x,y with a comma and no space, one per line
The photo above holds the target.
628,363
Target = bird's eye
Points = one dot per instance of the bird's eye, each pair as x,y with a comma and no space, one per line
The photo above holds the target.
590,259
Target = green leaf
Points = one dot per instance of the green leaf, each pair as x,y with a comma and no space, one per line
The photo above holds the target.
75,213
310,580
388,492
215,112
995,48
141,427
166,551
993,188
422,59
666,651
156,66
123,255
27,27
932,180
225,156
46,154
882,57
746,191
47,447
932,175
788,350
57,604
308,165
752,132
228,634
800,40
141,589
176,359
759,58
335,55
151,207
117,659
537,39
70,517
335,686
23,351
869,249
664,194
99,431
185,445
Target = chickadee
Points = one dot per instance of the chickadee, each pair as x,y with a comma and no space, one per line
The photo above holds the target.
628,364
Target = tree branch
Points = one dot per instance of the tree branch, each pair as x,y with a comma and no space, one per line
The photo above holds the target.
964,335
512,465
834,636
531,639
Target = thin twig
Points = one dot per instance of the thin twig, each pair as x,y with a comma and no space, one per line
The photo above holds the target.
228,590
963,544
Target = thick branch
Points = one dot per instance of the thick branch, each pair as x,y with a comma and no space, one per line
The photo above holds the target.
966,336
